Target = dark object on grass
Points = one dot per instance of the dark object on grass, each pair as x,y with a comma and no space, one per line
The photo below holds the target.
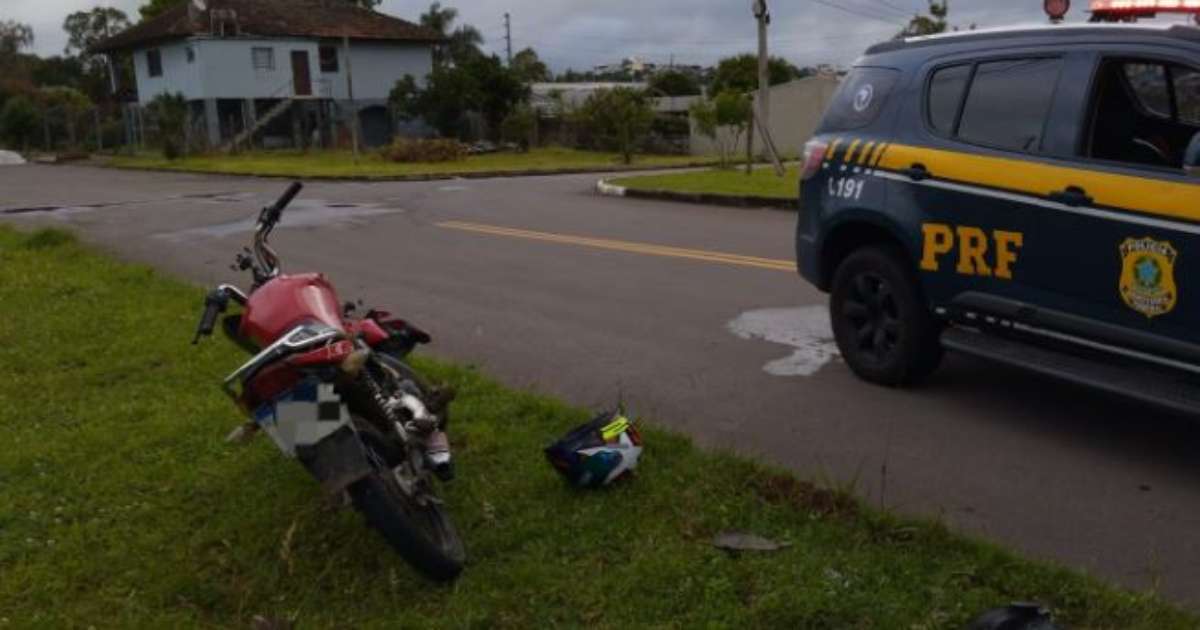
739,541
1015,617
597,453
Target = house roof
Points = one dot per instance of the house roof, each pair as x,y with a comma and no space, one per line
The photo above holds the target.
272,18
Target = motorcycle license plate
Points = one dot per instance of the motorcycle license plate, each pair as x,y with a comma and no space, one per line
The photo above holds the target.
302,416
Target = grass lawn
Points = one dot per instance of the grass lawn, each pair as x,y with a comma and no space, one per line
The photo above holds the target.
762,182
123,507
341,163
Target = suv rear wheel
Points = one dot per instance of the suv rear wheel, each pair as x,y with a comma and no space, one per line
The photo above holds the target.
883,328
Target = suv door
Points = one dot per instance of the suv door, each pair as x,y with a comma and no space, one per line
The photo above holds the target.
1136,218
969,165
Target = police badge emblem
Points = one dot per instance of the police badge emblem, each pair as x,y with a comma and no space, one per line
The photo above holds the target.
1148,276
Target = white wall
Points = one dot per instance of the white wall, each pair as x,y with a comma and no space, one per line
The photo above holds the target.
376,68
796,108
227,67
178,75
224,68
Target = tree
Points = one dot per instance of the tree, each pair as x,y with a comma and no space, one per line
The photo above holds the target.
88,28
480,85
723,119
405,98
464,45
155,8
519,126
438,18
14,37
675,83
66,105
740,73
171,112
619,119
529,68
19,121
931,24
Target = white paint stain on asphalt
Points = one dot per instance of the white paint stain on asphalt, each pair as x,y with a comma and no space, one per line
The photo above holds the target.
806,329
301,213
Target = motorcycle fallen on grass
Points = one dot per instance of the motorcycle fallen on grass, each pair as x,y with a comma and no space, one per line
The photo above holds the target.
335,392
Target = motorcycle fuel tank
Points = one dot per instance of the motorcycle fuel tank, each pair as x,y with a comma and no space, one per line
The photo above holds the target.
287,301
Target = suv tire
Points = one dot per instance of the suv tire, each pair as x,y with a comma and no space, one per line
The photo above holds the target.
883,327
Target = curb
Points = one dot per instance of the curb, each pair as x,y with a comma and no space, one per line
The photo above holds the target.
604,187
421,177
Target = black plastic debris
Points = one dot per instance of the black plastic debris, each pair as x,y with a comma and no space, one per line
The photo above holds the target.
1019,616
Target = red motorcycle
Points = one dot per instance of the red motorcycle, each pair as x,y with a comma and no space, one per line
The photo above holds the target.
335,392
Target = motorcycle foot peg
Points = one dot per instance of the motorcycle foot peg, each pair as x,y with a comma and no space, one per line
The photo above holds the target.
437,454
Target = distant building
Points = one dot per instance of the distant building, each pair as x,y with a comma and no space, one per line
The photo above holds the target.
277,68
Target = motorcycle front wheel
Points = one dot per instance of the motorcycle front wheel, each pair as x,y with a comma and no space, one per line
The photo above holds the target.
422,534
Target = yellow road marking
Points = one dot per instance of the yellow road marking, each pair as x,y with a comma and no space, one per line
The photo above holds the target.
626,246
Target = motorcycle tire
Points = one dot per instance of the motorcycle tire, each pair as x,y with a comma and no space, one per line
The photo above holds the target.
422,534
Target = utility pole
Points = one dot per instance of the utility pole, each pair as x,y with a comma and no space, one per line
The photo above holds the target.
508,36
764,76
350,93
762,114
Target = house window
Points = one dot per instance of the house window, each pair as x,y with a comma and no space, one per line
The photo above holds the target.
154,62
264,58
191,54
329,59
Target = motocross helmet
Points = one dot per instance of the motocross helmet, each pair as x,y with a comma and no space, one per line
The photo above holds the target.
597,453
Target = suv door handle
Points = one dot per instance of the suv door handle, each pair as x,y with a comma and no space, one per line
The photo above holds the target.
917,172
1072,196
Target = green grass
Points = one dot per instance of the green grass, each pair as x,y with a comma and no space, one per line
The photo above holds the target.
341,163
762,182
123,507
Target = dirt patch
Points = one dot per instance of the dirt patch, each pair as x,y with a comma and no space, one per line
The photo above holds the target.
784,489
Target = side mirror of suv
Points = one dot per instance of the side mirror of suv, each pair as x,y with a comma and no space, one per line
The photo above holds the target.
1191,157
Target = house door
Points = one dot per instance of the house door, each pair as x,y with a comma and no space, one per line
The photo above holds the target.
301,76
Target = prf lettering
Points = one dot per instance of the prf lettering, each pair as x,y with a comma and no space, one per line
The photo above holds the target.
975,248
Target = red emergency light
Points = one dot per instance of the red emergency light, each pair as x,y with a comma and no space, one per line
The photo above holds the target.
1131,9
1146,6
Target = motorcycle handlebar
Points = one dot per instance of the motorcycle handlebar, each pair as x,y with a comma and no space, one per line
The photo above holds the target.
285,199
214,305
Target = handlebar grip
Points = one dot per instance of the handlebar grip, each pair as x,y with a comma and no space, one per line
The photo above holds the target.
208,321
214,305
288,196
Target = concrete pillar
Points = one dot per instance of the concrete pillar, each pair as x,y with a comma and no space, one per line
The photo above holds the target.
250,115
212,122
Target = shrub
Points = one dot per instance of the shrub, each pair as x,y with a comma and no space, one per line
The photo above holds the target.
519,127
617,120
171,111
423,150
19,121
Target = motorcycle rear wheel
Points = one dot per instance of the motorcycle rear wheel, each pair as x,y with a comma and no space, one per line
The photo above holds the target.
422,534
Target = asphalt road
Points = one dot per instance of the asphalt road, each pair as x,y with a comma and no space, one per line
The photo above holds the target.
550,287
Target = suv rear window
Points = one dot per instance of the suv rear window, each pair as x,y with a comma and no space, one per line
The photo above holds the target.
860,98
1006,104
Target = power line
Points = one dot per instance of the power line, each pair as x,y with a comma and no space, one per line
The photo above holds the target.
893,7
858,12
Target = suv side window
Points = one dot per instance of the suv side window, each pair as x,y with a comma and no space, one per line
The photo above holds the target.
1143,112
1008,102
860,99
1005,104
945,97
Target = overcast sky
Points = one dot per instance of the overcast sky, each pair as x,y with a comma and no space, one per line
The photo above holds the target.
585,33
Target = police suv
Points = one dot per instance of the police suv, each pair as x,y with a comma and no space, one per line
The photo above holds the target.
1030,196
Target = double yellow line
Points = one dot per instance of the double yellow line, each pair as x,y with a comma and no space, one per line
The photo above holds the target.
625,246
